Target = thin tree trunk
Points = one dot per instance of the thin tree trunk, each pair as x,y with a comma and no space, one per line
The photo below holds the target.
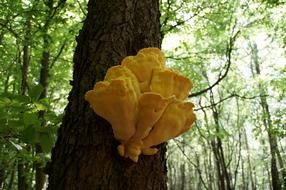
220,180
223,173
211,176
250,169
2,177
244,185
198,180
281,166
269,179
182,167
208,169
23,89
25,67
40,175
239,159
85,154
171,178
238,162
266,118
11,180
21,175
175,180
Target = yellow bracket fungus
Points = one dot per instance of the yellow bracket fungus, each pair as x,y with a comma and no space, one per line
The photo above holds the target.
168,82
144,102
143,64
116,102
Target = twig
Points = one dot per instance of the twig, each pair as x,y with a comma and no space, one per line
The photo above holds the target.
221,76
58,55
81,8
232,95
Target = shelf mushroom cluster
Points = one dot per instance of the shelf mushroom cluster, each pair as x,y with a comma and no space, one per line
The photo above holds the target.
144,102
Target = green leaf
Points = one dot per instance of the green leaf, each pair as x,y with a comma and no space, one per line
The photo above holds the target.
45,102
4,102
4,128
4,114
40,106
53,118
15,123
46,142
30,119
29,135
22,99
36,91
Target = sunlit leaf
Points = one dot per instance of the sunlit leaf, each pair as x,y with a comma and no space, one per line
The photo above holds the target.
40,106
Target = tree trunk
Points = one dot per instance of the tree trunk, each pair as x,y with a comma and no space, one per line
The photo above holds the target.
211,184
23,89
171,177
224,179
250,168
24,69
11,180
40,175
282,167
183,168
85,154
267,122
21,175
2,177
198,180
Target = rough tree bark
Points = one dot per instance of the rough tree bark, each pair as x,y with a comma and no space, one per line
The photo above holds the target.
85,155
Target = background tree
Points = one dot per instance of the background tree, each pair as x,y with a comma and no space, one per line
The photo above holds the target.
30,31
201,53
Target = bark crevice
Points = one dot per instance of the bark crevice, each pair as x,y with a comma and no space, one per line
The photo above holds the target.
85,155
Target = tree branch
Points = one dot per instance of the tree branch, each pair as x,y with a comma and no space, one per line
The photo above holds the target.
9,28
221,76
81,8
58,55
232,95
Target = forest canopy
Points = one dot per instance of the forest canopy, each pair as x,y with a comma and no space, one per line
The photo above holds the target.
233,51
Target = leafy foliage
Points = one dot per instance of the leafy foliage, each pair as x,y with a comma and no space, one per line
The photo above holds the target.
237,115
28,119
